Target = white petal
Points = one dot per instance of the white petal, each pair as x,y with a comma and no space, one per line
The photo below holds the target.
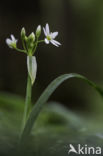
56,42
47,29
32,67
53,35
13,38
8,41
44,32
46,41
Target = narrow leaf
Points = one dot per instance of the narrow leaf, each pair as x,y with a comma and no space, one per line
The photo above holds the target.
47,93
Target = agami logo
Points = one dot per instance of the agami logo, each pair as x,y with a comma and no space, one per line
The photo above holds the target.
83,150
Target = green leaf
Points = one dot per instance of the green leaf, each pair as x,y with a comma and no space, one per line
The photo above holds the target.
45,96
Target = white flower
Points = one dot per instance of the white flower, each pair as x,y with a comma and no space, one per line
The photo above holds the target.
11,42
50,36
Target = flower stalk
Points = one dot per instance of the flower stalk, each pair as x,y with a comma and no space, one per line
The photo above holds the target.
27,99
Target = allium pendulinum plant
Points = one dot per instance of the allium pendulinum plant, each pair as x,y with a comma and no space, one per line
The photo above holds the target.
30,44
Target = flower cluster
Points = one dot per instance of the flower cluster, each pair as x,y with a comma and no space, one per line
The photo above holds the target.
30,44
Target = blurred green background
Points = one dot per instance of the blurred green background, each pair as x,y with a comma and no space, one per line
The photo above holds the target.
80,26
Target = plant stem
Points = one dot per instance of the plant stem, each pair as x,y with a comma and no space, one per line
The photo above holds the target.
40,41
27,100
20,50
23,44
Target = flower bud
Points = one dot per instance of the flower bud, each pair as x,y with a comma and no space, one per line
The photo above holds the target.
32,67
31,37
38,31
23,33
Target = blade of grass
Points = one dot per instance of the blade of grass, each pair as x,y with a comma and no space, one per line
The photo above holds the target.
45,96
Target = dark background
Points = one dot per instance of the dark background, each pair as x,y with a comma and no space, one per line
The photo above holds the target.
80,27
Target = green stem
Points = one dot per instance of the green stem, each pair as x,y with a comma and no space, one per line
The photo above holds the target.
23,44
36,44
35,47
20,50
27,100
40,41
